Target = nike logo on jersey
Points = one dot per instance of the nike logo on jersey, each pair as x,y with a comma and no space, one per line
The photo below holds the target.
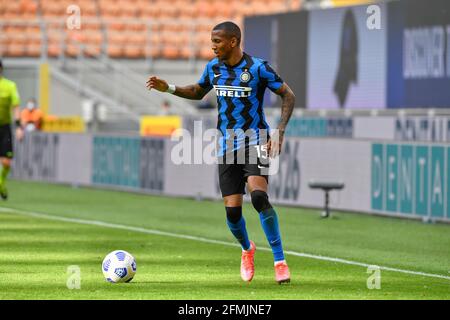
217,75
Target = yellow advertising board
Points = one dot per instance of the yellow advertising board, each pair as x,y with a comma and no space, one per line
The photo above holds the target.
162,126
63,124
341,3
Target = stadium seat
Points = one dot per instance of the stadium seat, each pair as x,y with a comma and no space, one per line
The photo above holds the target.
205,53
116,37
88,8
150,10
33,49
72,50
133,51
114,50
94,37
168,11
93,41
16,49
54,49
135,44
188,52
152,51
33,44
92,25
128,9
12,8
186,11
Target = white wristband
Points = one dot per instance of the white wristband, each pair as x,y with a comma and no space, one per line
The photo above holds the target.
171,88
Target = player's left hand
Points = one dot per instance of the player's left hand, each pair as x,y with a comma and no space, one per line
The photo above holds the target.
275,143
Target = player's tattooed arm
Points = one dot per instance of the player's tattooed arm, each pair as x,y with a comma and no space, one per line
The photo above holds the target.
287,105
193,92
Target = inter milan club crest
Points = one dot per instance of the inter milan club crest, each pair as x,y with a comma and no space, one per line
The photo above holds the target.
245,76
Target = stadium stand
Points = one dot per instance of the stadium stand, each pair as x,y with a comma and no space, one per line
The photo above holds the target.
121,28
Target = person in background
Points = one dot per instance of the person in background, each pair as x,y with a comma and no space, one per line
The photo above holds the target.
31,117
165,108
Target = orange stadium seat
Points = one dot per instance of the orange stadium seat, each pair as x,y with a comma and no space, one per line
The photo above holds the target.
188,49
72,49
33,47
187,10
138,39
187,53
55,35
12,8
92,50
133,52
91,24
169,12
135,26
33,40
205,53
115,50
88,8
152,50
226,10
148,10
52,8
128,13
93,37
33,28
16,49
115,24
205,8
109,9
171,26
53,49
170,51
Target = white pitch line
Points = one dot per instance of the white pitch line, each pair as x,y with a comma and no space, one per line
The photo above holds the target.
183,236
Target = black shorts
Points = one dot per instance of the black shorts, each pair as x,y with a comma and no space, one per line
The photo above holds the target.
6,146
235,168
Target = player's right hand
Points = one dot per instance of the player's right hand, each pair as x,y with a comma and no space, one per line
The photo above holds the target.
19,134
156,83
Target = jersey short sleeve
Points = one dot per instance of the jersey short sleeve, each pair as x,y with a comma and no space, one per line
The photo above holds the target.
272,79
204,81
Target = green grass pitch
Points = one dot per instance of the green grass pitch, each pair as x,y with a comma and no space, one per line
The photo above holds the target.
35,252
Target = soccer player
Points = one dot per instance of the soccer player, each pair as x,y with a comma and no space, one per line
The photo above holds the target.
9,100
240,81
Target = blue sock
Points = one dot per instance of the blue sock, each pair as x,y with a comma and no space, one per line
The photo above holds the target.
239,231
269,222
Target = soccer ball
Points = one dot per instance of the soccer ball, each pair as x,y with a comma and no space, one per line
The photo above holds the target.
119,266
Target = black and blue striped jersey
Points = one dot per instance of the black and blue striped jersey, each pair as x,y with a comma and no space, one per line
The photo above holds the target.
240,94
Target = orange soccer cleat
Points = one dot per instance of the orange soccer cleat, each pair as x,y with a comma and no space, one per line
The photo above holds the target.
282,274
248,263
